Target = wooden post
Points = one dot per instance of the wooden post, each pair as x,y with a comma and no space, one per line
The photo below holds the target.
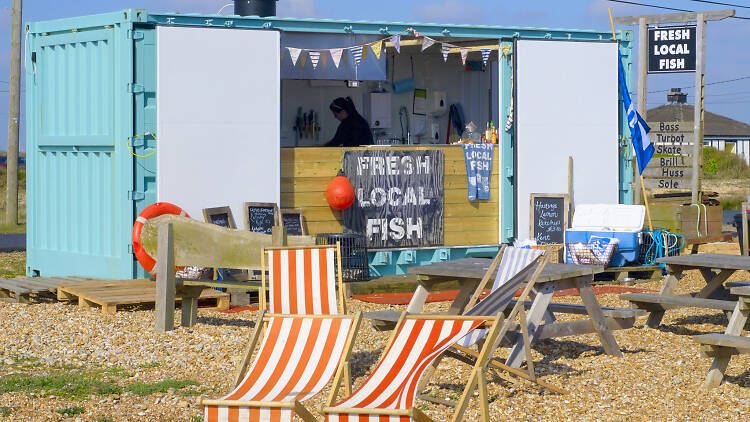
278,236
14,115
700,85
571,206
165,280
745,241
642,94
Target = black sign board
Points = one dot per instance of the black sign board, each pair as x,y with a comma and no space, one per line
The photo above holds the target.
399,196
294,222
671,49
549,218
221,216
260,217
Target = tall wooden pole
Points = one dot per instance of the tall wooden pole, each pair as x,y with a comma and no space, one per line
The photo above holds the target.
14,115
642,89
700,87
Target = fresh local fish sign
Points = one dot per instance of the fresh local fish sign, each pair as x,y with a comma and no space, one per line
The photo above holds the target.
399,196
671,49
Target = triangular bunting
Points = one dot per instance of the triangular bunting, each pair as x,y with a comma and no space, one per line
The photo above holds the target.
294,54
464,53
377,47
364,53
302,60
314,58
414,31
324,60
427,42
396,41
485,55
357,54
336,55
446,50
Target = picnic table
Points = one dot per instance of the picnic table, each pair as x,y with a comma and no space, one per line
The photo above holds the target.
721,347
541,320
715,270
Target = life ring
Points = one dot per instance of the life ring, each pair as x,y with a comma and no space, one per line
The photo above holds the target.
151,211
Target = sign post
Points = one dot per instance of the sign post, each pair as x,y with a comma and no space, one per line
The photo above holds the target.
676,49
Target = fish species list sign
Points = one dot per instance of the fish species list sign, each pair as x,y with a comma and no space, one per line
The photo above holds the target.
671,166
671,49
399,196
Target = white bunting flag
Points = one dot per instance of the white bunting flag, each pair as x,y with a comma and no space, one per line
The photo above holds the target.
485,55
464,53
294,54
427,42
396,41
314,58
357,54
446,50
336,55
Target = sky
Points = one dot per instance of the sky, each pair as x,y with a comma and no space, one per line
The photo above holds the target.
727,54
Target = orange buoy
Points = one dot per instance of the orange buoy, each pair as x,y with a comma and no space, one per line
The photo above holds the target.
340,193
151,211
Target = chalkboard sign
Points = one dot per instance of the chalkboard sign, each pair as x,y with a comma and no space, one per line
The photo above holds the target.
260,217
294,222
221,216
549,217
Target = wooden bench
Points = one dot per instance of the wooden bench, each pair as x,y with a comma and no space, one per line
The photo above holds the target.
656,302
721,347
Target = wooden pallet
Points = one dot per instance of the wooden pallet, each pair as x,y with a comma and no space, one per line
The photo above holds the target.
111,293
20,289
622,272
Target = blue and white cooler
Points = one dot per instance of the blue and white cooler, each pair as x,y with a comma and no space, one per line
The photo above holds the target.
609,234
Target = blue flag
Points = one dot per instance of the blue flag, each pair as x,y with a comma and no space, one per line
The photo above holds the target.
639,130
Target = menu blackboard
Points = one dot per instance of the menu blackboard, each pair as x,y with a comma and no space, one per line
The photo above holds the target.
261,217
293,222
221,216
549,218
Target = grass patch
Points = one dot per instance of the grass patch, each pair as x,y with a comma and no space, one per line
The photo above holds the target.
104,419
723,165
71,384
145,389
71,411
12,264
734,203
149,365
6,411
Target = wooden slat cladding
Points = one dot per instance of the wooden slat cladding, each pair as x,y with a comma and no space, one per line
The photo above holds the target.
306,172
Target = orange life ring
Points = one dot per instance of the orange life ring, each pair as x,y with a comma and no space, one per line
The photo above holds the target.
151,211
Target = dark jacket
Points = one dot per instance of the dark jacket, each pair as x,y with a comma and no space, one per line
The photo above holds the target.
353,131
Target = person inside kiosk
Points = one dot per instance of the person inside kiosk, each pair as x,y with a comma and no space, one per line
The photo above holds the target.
353,130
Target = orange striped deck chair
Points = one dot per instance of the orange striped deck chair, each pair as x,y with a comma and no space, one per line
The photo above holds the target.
297,358
303,280
389,393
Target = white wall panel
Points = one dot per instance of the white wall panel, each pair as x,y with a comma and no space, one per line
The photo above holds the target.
217,117
567,105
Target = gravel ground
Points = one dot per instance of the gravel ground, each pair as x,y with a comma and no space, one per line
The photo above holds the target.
658,378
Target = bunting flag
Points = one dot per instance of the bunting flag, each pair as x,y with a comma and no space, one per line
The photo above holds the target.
396,41
464,53
323,60
377,47
364,52
357,54
427,42
485,55
314,58
446,50
302,60
336,56
294,54
414,31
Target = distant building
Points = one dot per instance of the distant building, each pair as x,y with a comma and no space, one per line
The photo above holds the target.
720,132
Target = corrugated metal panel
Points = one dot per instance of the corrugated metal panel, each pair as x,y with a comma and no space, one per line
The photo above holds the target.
79,113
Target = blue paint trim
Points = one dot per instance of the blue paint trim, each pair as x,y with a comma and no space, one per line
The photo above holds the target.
398,262
625,151
507,164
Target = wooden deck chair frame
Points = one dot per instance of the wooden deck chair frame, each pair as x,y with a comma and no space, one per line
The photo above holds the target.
341,375
476,379
339,280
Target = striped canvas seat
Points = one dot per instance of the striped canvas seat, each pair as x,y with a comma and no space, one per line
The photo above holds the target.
296,360
303,281
393,384
516,267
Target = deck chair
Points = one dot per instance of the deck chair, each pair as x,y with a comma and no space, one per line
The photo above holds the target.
391,389
297,358
303,280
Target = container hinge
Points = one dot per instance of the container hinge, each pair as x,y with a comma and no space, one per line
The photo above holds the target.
135,35
134,88
134,195
130,248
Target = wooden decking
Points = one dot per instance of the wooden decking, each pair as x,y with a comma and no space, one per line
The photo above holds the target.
20,289
108,294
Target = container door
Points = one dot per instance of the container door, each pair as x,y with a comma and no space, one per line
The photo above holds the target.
79,172
566,106
218,119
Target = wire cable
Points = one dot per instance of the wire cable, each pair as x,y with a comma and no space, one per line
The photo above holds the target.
721,4
667,8
707,84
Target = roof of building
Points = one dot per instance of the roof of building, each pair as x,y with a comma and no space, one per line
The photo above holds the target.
715,125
